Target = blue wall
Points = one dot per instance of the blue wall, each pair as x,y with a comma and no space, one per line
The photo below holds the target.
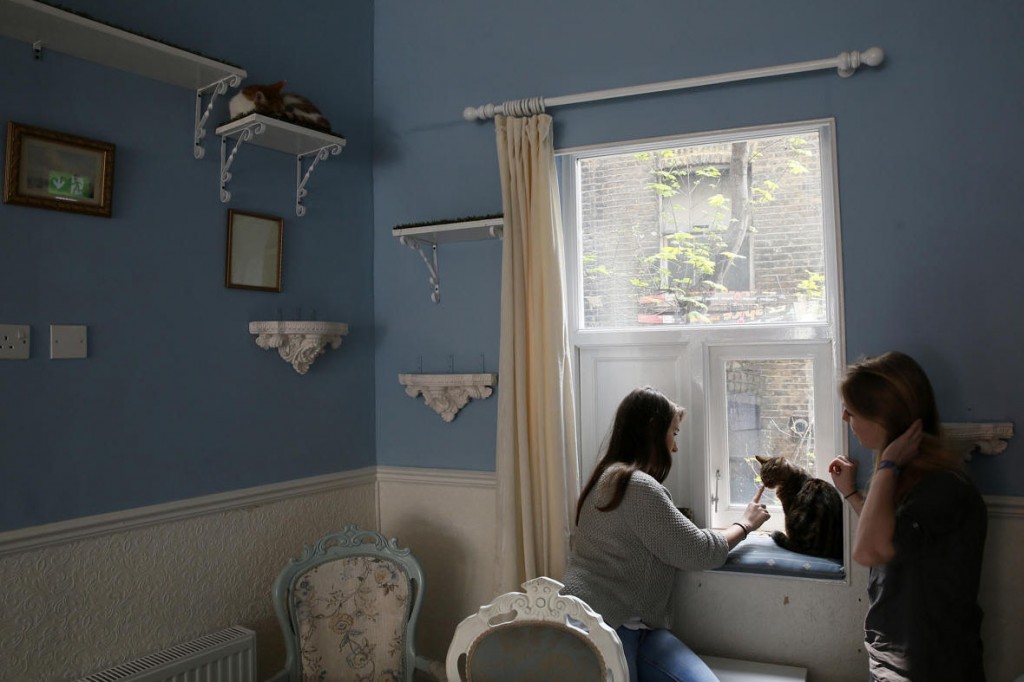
928,167
175,399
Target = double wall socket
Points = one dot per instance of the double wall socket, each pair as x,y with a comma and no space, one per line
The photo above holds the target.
14,341
68,341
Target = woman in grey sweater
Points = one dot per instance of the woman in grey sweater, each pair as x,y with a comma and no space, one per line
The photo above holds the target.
631,539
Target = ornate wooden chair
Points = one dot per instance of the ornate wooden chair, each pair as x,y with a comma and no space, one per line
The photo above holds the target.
348,609
537,634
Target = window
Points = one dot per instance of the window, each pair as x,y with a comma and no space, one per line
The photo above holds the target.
708,266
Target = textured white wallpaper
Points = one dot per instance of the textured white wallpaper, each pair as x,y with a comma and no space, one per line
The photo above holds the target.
75,608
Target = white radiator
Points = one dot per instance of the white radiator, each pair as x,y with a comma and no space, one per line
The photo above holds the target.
228,655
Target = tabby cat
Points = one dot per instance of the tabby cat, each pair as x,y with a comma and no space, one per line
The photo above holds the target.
271,101
812,507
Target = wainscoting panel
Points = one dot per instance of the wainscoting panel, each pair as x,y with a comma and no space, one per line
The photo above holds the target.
85,595
447,518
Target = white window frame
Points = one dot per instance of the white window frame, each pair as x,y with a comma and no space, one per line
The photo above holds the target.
703,348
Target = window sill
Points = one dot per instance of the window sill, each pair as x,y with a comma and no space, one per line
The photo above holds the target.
759,555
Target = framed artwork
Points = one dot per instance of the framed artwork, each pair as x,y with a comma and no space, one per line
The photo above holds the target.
47,169
254,251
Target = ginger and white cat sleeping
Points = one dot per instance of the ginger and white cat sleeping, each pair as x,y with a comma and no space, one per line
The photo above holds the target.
271,101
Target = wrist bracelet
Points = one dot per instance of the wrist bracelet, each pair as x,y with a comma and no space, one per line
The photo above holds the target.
746,531
889,464
854,492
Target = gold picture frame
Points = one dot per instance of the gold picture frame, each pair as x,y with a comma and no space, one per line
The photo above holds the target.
62,172
255,245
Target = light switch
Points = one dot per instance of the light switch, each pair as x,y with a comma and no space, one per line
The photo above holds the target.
68,341
14,341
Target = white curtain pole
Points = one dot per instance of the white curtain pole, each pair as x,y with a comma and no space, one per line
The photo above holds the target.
846,64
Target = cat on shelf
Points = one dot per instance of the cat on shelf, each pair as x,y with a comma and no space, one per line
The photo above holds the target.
269,100
813,509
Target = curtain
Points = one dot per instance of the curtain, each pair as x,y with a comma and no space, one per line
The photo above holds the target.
537,472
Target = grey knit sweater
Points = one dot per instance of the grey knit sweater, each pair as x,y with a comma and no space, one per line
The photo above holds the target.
623,562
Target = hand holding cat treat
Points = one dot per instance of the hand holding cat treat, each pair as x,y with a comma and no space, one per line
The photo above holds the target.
756,514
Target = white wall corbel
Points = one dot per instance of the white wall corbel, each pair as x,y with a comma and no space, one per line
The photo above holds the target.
446,394
298,343
976,437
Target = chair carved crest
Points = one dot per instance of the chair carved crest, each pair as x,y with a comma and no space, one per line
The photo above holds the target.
565,638
348,608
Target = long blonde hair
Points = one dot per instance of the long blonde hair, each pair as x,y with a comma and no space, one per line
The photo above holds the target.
892,390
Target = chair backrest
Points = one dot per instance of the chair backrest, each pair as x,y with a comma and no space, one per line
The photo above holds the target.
537,634
348,609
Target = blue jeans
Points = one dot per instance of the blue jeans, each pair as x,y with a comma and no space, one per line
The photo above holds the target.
659,656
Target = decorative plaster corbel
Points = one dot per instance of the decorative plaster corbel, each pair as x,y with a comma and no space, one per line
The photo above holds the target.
446,394
298,343
983,438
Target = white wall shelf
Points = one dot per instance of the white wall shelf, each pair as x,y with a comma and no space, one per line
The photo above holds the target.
421,237
983,438
300,342
46,27
446,394
264,131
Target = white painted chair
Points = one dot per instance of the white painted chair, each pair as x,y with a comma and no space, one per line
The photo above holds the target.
537,634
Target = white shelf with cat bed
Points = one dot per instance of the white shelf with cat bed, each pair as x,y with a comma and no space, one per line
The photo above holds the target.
265,131
45,26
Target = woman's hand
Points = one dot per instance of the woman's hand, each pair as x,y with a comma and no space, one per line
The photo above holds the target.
844,475
906,445
756,513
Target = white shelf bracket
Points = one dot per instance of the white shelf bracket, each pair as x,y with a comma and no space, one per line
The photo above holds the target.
213,89
244,135
301,178
431,263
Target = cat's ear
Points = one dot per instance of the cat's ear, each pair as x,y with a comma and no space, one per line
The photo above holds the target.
761,458
278,86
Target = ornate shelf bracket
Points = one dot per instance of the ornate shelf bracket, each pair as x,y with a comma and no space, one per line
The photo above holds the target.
213,89
298,343
446,394
244,135
431,263
982,438
301,178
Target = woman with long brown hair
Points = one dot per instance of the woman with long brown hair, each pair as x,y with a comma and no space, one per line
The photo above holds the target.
631,539
921,530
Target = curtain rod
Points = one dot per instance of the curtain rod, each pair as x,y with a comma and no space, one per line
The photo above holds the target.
845,62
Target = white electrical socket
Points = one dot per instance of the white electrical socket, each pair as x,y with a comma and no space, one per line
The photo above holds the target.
68,341
14,341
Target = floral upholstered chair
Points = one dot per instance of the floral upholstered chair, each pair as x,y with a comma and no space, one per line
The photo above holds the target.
537,634
348,608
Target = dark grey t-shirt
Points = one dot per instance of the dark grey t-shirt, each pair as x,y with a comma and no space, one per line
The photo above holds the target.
924,622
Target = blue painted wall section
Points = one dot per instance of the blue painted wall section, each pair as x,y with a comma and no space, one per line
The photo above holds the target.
175,399
931,232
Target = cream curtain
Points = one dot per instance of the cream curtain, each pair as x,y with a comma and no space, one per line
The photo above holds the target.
538,477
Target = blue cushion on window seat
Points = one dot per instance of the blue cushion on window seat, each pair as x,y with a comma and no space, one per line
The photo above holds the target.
759,554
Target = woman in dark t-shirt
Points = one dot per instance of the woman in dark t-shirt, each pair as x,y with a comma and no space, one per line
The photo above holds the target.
921,532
